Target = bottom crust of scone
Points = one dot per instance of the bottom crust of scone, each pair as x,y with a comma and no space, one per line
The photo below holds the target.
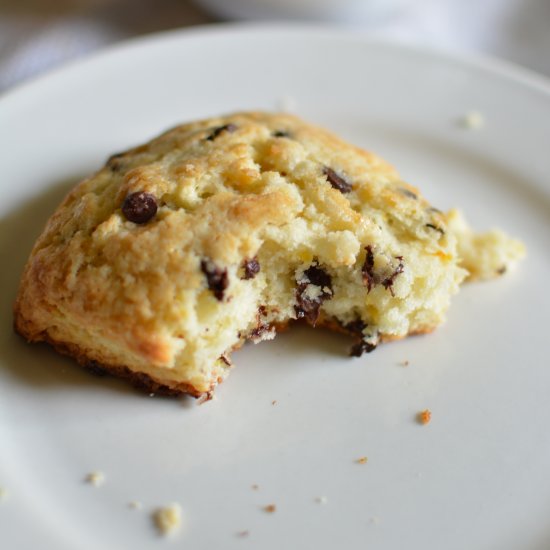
148,384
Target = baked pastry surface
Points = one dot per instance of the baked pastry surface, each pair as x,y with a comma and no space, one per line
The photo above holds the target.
224,230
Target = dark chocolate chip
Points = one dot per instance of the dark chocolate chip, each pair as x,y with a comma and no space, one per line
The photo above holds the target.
408,193
251,268
224,358
307,307
318,276
361,347
501,270
257,334
216,278
116,162
139,207
337,181
431,226
371,277
367,270
281,134
387,283
356,327
225,128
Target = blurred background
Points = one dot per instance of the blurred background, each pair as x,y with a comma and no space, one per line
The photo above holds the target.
36,35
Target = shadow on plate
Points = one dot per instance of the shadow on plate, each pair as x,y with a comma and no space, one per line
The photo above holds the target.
35,365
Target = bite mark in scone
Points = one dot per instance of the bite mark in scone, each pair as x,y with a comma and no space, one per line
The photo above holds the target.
224,230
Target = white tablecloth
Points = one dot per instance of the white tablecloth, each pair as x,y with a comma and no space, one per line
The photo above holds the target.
36,35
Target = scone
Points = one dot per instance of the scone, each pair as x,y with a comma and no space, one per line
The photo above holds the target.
225,230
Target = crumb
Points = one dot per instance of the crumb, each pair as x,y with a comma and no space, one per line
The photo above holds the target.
375,520
167,519
404,363
135,505
473,120
286,104
95,478
243,534
362,460
4,494
255,487
205,397
270,508
151,395
424,417
274,402
321,500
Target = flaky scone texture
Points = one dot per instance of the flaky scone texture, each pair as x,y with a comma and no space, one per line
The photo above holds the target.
224,230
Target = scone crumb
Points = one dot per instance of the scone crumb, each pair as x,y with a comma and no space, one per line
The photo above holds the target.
243,534
255,486
270,508
205,397
424,416
404,363
274,402
375,520
4,494
167,519
286,104
95,478
472,120
362,460
135,505
321,500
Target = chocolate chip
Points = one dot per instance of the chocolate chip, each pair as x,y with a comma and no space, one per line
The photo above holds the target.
431,226
225,128
251,268
258,333
387,283
225,359
139,207
216,278
367,270
501,270
356,327
116,162
361,347
281,134
372,277
337,181
307,307
318,276
408,193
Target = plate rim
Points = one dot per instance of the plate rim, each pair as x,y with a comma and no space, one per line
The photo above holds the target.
488,63
495,67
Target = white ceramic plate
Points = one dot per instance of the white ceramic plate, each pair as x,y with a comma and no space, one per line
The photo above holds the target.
296,413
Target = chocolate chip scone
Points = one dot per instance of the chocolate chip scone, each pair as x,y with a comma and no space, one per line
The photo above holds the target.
224,230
